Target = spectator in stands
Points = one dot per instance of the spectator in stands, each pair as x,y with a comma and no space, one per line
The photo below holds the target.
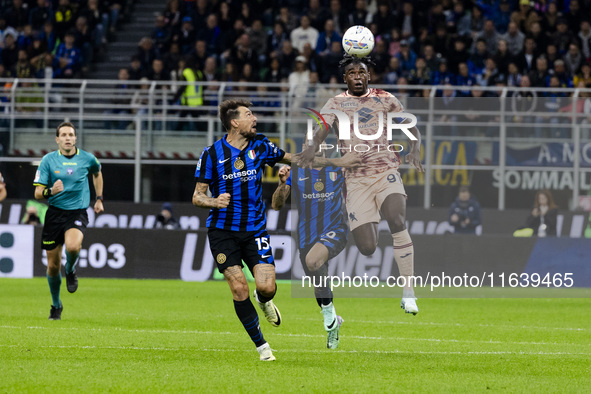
161,34
393,73
338,16
18,15
225,17
274,74
173,15
185,37
243,53
165,219
575,14
525,16
560,72
408,21
68,58
489,74
171,58
5,30
463,78
23,68
246,15
459,54
420,74
304,34
514,39
584,75
544,215
146,52
539,36
121,101
573,59
190,93
158,72
550,19
502,57
64,18
539,77
476,21
501,16
200,13
464,212
442,76
299,80
406,56
210,70
258,39
212,35
49,37
25,38
326,38
477,60
441,41
233,36
275,39
490,36
460,19
526,59
584,37
98,23
115,7
82,41
135,70
513,75
312,59
551,54
563,37
287,57
318,14
288,19
40,14
9,51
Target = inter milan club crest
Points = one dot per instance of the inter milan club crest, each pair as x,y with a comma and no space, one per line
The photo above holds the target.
332,176
221,258
239,164
318,186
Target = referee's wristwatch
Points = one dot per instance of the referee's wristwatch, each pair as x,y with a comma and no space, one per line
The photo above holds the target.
99,198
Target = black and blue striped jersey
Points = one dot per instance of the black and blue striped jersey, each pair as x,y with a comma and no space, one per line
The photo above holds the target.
239,173
318,195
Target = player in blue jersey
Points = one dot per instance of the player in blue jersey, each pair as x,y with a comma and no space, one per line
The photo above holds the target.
232,169
322,226
62,178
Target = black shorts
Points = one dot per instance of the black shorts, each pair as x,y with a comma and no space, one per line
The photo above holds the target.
57,222
334,240
233,247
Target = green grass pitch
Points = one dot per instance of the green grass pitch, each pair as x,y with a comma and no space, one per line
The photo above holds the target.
172,336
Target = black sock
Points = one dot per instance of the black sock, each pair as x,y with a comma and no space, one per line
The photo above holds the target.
250,320
323,301
264,299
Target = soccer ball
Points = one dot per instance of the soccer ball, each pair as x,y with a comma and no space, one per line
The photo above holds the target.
358,41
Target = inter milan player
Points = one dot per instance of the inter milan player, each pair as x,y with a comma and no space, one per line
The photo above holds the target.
232,169
322,226
376,185
62,178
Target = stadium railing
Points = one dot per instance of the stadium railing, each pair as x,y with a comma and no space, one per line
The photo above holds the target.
134,122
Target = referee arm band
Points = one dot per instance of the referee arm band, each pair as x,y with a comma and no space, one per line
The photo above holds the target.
47,192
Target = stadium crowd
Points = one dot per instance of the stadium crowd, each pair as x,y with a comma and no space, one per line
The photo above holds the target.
444,42
55,38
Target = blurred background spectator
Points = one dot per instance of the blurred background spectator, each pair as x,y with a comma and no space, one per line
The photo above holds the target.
464,212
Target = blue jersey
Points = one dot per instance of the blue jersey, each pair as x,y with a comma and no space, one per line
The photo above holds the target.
238,172
73,171
318,194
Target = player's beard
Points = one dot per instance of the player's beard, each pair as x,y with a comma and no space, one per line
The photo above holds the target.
250,133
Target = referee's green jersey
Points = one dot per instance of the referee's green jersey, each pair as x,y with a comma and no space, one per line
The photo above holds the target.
73,171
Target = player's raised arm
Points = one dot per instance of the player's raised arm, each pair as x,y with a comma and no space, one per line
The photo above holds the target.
349,160
306,157
414,155
283,190
201,200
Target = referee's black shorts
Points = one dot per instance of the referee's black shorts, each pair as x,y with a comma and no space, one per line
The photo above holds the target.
57,222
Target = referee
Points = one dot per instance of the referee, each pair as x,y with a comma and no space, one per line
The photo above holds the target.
62,179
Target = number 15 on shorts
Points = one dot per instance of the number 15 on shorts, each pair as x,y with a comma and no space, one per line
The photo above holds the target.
264,247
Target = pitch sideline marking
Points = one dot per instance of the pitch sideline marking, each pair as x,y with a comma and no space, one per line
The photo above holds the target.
362,337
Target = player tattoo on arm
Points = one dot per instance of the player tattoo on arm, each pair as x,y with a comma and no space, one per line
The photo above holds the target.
200,198
282,192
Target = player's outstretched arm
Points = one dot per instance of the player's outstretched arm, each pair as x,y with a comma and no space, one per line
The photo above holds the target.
349,160
283,190
201,200
414,156
305,159
97,180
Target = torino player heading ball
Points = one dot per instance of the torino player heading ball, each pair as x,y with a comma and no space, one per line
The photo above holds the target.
375,186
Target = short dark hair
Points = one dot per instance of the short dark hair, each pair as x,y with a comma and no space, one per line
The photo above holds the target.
229,111
65,124
349,59
464,189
